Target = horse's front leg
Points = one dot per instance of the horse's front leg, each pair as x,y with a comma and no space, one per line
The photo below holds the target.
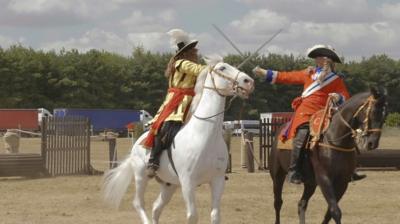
309,189
188,193
217,189
328,191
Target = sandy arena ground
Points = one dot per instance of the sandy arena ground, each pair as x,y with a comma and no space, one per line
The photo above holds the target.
248,198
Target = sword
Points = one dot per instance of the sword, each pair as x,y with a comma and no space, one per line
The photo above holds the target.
229,40
256,52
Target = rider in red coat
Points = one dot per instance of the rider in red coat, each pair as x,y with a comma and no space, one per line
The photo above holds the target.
318,82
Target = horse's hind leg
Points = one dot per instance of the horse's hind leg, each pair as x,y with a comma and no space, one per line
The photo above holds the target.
138,202
278,179
217,188
167,191
309,190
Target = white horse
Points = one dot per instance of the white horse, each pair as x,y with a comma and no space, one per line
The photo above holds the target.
198,152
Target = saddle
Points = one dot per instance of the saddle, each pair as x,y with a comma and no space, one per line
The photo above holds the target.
318,125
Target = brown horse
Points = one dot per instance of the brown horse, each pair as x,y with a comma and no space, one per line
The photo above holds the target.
332,163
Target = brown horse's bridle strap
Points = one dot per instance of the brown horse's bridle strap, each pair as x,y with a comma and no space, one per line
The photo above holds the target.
337,148
368,105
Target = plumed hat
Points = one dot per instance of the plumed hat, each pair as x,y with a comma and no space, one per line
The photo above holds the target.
181,40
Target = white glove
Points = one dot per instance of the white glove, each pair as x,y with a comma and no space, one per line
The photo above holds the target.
259,72
336,97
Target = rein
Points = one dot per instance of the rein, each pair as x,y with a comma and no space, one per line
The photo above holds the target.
366,105
235,87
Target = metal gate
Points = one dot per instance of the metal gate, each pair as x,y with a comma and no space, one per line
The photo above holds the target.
66,145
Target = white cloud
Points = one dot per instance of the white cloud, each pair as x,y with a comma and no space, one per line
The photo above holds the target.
5,41
319,11
93,39
154,41
37,6
362,29
353,39
260,21
141,22
390,11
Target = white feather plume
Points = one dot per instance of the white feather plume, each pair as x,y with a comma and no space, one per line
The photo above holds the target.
177,36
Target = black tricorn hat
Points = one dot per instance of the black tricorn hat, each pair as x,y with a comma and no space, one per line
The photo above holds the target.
321,50
181,40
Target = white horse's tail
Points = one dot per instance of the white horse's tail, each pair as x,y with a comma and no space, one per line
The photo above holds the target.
116,182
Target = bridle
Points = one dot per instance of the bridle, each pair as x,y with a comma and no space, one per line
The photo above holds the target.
367,107
234,84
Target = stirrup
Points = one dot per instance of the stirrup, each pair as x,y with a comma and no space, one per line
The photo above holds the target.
151,170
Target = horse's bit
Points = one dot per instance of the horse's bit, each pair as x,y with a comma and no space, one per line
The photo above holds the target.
235,87
365,130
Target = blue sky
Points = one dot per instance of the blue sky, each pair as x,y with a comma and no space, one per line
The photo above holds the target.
362,29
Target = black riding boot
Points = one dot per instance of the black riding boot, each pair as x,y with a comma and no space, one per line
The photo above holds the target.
154,160
357,176
299,142
162,141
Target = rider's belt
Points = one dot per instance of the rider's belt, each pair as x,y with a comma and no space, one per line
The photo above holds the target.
179,94
184,91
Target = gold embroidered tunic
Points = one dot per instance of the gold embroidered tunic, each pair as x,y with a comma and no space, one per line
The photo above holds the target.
185,77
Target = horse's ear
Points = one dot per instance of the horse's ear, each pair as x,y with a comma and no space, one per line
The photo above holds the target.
212,60
374,92
378,92
383,91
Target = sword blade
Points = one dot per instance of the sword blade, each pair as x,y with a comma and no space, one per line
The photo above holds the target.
256,52
228,39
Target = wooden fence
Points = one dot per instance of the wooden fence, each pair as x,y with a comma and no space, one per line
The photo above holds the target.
66,145
268,129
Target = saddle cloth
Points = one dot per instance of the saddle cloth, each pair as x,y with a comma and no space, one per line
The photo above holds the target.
287,145
316,120
315,123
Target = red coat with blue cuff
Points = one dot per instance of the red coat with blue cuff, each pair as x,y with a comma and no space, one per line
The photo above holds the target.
314,96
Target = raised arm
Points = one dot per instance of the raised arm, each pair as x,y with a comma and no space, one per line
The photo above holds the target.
282,77
188,67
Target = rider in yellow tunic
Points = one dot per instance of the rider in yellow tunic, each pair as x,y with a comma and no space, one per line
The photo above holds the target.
184,77
182,72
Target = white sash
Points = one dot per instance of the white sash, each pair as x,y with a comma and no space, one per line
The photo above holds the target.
315,86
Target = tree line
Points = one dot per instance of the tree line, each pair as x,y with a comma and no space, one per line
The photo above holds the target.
98,79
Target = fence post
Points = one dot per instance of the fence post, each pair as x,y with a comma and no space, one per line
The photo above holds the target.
112,142
243,152
248,139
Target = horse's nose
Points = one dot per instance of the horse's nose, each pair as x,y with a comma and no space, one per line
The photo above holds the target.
246,80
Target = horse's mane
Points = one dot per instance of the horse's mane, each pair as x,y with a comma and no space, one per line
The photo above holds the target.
201,78
356,98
